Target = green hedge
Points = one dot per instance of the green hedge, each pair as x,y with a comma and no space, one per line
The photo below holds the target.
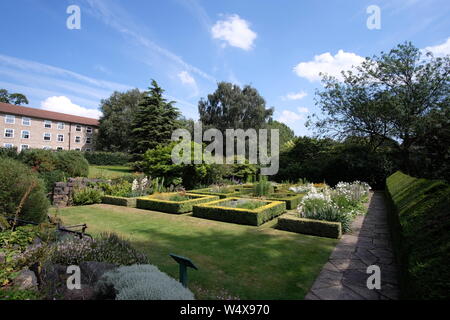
292,199
119,201
420,225
214,211
177,207
100,158
207,191
309,226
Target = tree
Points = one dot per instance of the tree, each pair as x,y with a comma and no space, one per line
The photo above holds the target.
154,121
231,107
12,98
114,132
387,98
286,133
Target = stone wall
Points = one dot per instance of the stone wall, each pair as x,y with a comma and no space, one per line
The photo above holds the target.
62,191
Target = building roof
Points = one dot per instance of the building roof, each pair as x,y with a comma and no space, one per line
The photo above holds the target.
46,115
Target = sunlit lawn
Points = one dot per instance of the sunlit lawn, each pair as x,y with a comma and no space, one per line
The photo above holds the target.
108,172
246,262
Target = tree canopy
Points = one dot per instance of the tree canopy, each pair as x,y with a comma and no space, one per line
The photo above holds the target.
12,98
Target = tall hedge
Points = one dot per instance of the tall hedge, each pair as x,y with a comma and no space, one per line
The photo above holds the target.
420,224
107,158
15,180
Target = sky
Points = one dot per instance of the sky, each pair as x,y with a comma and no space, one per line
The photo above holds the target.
187,46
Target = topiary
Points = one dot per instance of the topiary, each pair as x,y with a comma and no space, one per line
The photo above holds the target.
15,180
141,282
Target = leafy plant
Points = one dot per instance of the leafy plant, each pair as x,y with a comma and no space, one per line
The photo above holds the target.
263,187
86,196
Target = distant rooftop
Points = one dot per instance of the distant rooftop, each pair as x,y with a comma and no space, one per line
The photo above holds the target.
46,115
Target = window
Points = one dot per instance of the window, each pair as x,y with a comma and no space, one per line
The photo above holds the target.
24,147
88,140
26,121
10,119
88,150
47,136
60,148
60,138
9,133
25,134
89,130
77,139
47,124
61,125
78,127
47,148
8,145
77,149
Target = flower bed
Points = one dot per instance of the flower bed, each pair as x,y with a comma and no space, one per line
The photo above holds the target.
240,210
163,202
292,200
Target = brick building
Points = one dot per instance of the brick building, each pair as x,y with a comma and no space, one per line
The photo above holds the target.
31,128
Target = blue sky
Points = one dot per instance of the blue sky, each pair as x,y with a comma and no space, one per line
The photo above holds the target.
279,47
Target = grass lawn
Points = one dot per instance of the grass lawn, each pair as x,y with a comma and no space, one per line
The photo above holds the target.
245,262
108,172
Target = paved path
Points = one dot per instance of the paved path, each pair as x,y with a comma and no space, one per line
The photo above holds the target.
344,276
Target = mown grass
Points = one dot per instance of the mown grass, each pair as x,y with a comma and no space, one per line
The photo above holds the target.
108,172
240,261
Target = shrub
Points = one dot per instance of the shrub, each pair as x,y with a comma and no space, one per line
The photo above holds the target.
8,153
262,187
119,201
39,160
87,196
420,221
309,226
15,180
142,282
51,177
107,248
72,163
107,158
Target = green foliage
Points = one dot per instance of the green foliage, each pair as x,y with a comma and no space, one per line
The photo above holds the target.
420,221
15,180
107,158
250,205
319,209
154,121
263,187
389,99
16,294
12,98
72,163
8,153
87,196
114,132
286,134
232,107
141,282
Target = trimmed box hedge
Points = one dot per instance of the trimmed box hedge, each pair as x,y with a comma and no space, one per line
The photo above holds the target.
254,217
292,199
176,207
312,227
207,191
419,218
119,201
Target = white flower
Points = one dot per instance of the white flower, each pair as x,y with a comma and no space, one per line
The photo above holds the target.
135,185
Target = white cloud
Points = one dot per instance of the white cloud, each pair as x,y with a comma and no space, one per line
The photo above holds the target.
289,117
440,50
295,96
65,105
303,110
235,31
329,64
186,78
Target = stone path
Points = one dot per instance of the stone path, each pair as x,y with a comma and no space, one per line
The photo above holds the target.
344,276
